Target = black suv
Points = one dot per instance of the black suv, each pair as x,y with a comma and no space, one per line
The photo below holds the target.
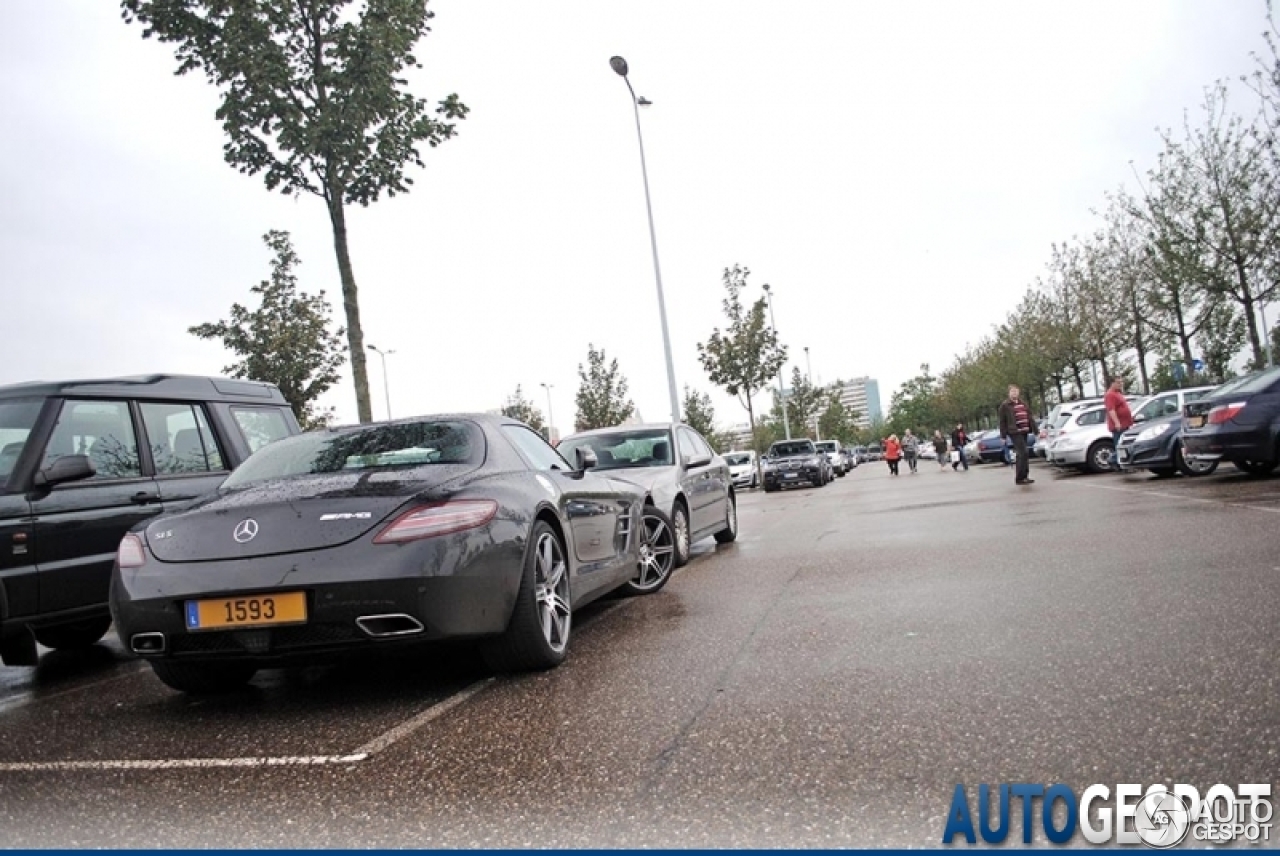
82,461
792,462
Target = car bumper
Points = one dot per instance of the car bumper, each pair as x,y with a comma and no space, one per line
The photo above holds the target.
789,478
1157,453
1067,457
744,479
455,586
1230,443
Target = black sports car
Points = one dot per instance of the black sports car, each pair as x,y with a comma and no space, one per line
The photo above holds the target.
419,529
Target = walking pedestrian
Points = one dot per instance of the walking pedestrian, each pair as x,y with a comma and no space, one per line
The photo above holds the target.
1119,417
892,452
959,439
940,449
910,449
1016,423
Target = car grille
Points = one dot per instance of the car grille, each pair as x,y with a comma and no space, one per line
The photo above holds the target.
264,641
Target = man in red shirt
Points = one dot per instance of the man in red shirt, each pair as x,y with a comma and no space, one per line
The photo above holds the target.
1119,416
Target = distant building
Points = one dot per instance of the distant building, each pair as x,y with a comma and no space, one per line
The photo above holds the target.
861,394
740,438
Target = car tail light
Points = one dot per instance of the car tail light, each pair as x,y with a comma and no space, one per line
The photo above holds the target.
1225,412
428,521
132,553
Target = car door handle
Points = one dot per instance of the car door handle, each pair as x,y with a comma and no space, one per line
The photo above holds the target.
144,498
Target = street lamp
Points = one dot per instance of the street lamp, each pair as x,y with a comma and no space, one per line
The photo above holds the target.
551,420
782,391
386,384
619,65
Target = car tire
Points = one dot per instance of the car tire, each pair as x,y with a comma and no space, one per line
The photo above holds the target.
1255,468
204,678
1188,468
537,635
79,635
729,533
657,553
680,525
1098,458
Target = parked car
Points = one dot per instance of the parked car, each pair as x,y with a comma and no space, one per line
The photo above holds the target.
1238,422
81,462
743,469
992,448
875,452
835,456
859,455
467,526
679,472
793,462
1083,441
1154,443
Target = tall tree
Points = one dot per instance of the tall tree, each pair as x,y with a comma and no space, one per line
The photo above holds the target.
838,422
286,340
700,415
519,407
313,98
602,393
746,356
805,403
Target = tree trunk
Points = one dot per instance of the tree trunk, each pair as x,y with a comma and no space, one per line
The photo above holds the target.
1139,341
1247,301
350,302
755,441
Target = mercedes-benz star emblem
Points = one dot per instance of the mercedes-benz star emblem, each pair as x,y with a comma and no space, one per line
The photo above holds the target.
246,530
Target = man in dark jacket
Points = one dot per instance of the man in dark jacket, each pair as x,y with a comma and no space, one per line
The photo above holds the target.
1016,423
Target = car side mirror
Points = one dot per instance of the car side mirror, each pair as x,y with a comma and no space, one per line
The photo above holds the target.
696,461
68,468
585,458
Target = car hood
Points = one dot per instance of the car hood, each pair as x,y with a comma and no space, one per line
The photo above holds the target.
291,515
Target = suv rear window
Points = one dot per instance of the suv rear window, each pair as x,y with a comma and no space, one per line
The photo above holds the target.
260,426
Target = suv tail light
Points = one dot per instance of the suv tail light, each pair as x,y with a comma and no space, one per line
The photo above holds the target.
1225,412
428,521
132,553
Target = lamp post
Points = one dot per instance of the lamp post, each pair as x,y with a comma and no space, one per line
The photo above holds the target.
782,390
551,420
808,365
619,65
386,384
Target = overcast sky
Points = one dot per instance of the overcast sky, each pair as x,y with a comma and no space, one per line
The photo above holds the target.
896,171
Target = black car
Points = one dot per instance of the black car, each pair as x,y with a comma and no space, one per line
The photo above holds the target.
81,462
421,529
1154,443
794,462
1239,422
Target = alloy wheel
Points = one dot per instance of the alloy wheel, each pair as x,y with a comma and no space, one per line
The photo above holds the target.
551,589
657,555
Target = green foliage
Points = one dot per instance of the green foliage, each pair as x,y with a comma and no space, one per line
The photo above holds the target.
805,403
602,393
838,422
314,100
916,406
519,407
286,340
700,415
746,356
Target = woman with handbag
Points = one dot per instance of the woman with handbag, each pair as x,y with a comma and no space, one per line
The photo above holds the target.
892,452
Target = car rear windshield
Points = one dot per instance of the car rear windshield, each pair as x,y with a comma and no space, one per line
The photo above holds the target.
825,446
784,450
737,460
17,418
1258,383
398,446
621,449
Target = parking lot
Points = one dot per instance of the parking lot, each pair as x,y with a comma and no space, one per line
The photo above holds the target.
826,680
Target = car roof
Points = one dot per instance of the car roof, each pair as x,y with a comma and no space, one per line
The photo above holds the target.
174,386
622,429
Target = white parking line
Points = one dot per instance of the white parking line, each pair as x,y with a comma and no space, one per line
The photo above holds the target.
379,744
1179,496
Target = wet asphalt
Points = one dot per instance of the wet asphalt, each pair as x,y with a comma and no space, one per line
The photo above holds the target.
826,681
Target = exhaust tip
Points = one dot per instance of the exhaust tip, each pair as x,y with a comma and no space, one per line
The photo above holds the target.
147,643
393,624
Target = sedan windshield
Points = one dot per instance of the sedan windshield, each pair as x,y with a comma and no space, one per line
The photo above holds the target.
737,460
618,450
787,450
401,445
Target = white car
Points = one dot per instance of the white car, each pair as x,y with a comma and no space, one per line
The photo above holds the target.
1082,440
742,468
835,454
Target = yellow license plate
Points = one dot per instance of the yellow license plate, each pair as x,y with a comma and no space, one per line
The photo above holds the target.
1195,421
259,610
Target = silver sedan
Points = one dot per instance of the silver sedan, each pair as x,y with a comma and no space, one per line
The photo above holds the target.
679,472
